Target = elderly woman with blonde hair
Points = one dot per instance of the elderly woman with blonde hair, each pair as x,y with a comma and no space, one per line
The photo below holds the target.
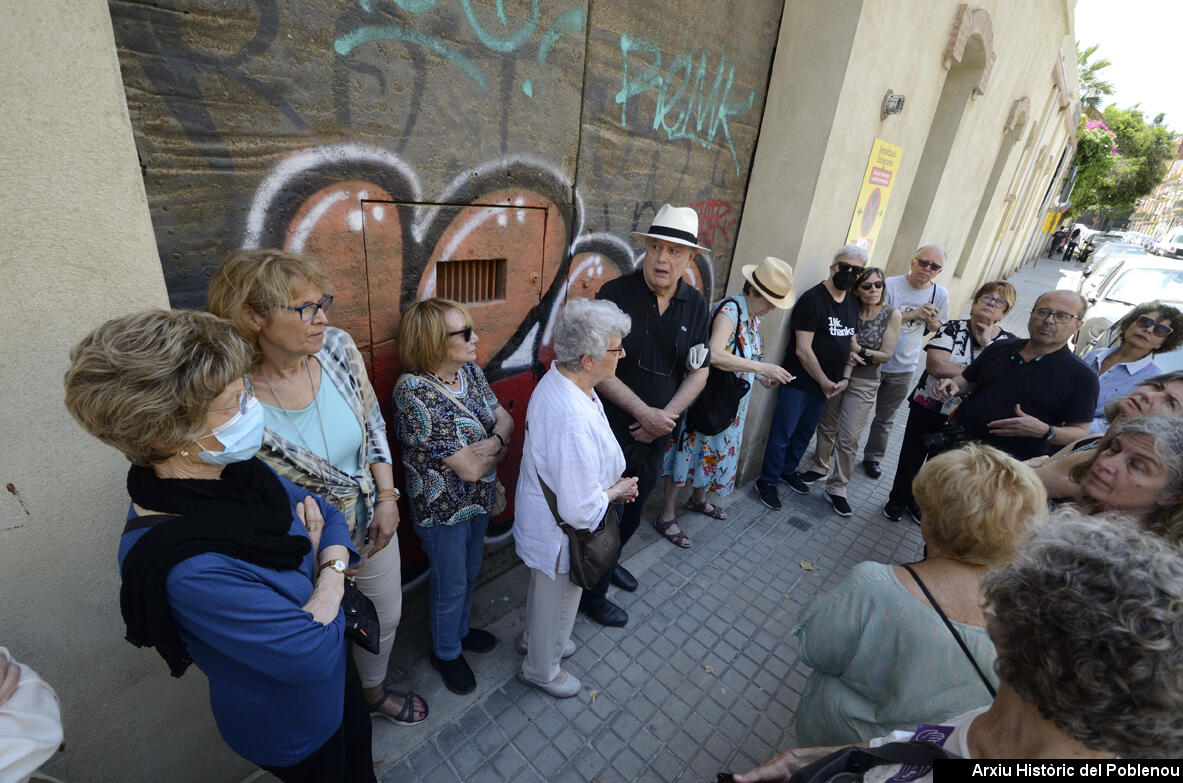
224,563
1087,621
324,430
976,503
571,452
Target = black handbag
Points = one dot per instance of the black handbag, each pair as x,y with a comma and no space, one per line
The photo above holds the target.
592,552
848,765
361,618
715,408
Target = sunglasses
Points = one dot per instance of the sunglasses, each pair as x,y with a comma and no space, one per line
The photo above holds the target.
308,311
929,265
466,333
869,286
1159,330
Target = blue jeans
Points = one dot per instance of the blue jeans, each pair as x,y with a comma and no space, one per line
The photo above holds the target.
793,423
454,553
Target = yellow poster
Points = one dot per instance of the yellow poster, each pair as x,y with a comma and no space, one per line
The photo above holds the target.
871,206
1053,220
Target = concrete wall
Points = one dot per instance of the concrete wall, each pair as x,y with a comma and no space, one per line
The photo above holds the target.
967,136
78,250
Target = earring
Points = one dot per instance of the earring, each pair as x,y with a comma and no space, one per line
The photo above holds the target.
184,453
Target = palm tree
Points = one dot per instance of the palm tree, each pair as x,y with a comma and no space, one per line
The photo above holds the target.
1092,87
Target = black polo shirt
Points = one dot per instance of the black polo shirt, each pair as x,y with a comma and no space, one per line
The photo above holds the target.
1057,389
651,372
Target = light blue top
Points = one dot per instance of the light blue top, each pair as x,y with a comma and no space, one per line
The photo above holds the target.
1119,381
883,661
341,428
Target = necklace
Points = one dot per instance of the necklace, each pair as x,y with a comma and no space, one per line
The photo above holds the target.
455,378
315,403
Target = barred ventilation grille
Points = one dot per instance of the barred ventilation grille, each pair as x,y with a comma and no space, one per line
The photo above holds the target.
471,281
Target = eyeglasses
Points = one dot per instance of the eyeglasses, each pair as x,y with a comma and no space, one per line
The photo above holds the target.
618,349
244,400
308,311
928,264
466,333
1159,330
869,286
1042,314
993,301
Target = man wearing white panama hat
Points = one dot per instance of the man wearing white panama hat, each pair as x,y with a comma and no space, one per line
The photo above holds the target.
662,371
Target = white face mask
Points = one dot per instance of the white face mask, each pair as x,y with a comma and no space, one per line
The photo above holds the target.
240,437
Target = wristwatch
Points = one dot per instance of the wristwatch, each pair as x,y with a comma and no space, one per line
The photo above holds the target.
1051,433
337,565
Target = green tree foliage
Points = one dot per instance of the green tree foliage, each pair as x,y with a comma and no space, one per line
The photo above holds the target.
1092,87
1119,160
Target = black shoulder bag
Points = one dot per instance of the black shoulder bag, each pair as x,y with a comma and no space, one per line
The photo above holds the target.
715,408
848,765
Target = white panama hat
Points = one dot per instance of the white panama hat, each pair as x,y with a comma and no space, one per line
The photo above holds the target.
674,224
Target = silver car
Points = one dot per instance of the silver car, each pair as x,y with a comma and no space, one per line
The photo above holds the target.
1131,283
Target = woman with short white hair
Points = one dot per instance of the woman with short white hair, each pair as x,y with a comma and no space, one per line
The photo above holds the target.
569,447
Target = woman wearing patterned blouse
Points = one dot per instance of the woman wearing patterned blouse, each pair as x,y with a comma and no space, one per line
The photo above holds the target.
709,462
324,432
453,433
845,414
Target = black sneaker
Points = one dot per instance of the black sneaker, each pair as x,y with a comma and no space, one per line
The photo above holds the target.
811,476
795,483
478,641
841,507
914,510
872,469
893,511
768,495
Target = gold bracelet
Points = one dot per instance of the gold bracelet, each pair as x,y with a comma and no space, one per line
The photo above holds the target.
389,494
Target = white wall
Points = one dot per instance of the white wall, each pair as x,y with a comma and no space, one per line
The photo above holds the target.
78,249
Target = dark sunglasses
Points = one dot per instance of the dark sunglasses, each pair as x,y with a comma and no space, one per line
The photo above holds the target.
929,265
466,333
844,267
1159,330
869,286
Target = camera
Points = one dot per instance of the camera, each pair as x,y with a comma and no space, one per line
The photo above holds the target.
950,436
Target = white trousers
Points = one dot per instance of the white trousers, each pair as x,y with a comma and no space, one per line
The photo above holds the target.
550,615
380,578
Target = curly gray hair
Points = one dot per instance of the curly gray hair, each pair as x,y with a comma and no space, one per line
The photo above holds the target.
1088,622
584,328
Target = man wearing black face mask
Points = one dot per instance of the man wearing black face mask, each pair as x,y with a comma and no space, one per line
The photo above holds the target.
821,339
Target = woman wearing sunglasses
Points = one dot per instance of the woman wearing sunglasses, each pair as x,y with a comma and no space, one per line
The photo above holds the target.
453,433
324,429
1150,328
845,414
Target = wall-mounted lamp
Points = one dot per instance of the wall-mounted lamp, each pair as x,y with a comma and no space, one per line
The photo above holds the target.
892,104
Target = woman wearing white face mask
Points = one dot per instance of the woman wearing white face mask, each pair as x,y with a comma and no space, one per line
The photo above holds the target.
224,563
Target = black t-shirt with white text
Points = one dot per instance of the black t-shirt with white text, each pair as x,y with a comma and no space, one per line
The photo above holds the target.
833,325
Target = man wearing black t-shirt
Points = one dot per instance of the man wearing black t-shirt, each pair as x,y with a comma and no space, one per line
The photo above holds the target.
1027,396
663,369
821,339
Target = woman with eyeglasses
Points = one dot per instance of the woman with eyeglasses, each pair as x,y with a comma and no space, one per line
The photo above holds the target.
845,415
1149,329
224,563
453,433
324,431
948,353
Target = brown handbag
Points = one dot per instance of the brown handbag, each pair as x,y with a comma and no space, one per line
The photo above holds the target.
592,552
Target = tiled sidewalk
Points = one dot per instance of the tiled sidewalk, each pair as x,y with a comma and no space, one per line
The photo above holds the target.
704,678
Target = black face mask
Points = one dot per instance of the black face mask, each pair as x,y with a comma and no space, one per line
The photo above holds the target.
845,279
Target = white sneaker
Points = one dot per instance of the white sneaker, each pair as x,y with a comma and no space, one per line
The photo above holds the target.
564,686
520,646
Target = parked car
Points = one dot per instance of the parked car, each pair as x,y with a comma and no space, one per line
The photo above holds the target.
1102,263
1095,241
1132,282
1170,245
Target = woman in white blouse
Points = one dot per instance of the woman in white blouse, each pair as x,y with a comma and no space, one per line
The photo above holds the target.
570,446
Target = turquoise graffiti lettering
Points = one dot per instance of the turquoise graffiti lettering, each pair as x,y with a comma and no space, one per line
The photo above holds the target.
501,41
681,93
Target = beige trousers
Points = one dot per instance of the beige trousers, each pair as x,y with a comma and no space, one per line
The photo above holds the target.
838,432
550,615
381,579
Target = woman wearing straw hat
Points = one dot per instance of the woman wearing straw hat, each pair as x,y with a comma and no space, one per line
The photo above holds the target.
708,462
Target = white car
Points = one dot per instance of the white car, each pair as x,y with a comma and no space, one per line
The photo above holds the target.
1170,245
1105,260
1131,283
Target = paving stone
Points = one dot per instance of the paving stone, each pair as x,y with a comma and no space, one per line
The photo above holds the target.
508,762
